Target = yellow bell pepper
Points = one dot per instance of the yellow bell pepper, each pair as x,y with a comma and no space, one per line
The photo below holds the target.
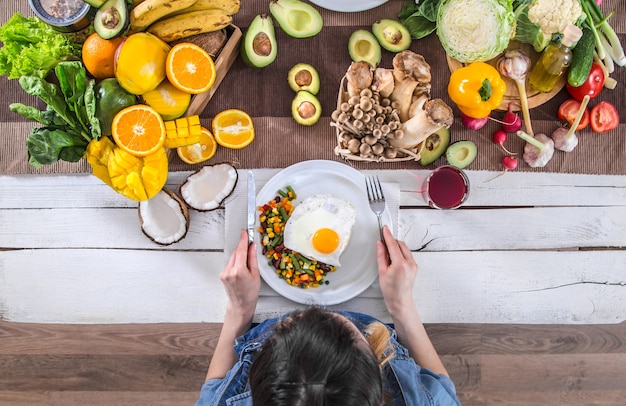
477,89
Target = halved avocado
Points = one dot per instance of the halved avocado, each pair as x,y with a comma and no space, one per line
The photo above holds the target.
305,108
435,146
363,46
304,77
461,154
112,19
392,35
297,18
258,48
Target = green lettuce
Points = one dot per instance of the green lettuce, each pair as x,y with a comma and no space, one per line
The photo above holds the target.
32,48
475,30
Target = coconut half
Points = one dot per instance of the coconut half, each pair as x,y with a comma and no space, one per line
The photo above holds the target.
207,188
164,218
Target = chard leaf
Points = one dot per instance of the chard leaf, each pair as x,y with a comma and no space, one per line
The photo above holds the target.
46,146
29,112
419,26
90,108
428,9
408,7
73,82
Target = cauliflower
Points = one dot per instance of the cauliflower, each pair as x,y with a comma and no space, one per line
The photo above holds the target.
537,21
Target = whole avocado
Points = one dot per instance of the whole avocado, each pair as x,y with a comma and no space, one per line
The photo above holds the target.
111,98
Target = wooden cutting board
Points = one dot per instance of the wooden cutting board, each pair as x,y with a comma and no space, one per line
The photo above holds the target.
535,98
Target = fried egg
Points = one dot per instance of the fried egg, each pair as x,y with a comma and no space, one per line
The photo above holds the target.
320,228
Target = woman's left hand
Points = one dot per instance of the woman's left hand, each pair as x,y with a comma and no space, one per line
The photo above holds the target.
242,280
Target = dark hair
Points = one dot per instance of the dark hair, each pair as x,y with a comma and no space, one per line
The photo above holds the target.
314,359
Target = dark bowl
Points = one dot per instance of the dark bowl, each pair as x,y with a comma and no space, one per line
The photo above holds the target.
77,21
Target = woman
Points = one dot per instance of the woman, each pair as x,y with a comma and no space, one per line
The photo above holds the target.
320,357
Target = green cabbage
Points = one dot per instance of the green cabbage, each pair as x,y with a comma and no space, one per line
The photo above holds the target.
32,48
475,30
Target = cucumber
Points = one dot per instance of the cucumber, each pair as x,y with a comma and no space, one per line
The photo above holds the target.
582,58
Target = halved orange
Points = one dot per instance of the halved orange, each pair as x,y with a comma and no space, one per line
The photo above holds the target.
200,151
138,130
233,128
190,68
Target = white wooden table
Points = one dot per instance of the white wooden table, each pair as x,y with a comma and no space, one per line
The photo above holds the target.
526,248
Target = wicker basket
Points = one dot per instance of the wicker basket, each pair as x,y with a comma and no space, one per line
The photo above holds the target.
342,151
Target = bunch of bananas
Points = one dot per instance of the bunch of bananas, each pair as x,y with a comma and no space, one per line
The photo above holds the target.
171,20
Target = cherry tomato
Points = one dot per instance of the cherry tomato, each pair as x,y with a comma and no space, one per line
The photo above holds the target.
592,86
568,111
604,117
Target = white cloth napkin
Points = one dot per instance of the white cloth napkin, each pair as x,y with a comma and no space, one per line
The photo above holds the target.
236,205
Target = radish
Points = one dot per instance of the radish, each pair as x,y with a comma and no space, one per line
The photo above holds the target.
509,162
499,137
511,122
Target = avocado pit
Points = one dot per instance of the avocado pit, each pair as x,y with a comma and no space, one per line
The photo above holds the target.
262,45
306,108
303,76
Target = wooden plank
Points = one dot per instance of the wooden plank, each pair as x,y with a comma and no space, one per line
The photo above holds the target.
548,372
513,229
103,339
110,286
87,372
120,286
514,189
117,228
157,398
431,230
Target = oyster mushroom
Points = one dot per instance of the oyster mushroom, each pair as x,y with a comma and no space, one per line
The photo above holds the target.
207,188
383,81
164,218
412,79
427,117
359,76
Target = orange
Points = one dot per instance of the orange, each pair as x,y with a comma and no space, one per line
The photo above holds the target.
99,55
190,68
138,130
199,152
233,128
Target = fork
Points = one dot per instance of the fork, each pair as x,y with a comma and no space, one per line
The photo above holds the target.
376,199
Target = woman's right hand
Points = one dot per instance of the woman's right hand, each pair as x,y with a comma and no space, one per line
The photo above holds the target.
397,271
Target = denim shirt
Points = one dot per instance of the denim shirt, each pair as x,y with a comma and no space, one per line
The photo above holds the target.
407,382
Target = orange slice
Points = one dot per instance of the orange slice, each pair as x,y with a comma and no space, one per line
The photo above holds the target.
138,130
233,129
190,68
201,151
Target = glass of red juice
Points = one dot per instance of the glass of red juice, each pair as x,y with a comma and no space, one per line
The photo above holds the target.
447,187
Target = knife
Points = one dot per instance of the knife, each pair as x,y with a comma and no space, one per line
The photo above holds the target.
251,206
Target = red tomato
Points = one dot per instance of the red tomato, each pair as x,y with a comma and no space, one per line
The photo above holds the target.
568,111
592,86
604,117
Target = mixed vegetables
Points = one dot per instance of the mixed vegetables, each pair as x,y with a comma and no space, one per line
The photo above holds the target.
293,267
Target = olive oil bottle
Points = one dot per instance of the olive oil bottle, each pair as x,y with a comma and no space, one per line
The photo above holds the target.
554,61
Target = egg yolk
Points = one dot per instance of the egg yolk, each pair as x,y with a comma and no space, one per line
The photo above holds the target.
325,240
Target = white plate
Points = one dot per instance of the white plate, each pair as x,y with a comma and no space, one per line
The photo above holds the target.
348,5
358,262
